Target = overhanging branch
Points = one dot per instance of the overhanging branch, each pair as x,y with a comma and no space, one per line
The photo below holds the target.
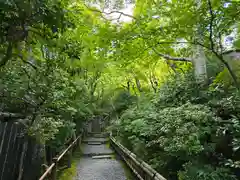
119,12
111,12
183,59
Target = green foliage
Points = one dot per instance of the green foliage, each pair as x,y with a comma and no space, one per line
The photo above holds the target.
46,71
180,89
64,62
185,126
41,130
204,172
122,101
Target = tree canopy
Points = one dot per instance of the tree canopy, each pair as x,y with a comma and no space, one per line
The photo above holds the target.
65,62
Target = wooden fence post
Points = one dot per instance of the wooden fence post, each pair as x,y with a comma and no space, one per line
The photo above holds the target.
54,170
70,157
79,142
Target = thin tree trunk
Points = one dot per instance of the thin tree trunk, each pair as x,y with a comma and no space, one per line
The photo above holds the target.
138,84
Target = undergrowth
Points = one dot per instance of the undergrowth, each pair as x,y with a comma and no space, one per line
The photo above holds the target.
185,131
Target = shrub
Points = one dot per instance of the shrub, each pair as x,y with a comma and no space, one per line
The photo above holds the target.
184,124
198,171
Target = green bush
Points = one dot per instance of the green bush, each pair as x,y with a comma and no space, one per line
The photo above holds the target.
185,123
198,171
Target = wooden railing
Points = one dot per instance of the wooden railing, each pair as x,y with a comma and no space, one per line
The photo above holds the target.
51,171
142,170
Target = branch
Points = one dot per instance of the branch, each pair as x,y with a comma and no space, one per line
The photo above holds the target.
153,82
233,75
220,56
122,13
211,25
27,62
111,12
183,59
25,71
113,19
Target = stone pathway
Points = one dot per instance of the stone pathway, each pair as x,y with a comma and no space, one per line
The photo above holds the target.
97,162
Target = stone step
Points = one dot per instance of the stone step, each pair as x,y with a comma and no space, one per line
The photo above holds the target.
97,154
94,143
103,157
98,135
96,150
95,140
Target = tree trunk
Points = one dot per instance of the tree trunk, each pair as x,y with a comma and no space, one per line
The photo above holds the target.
199,58
199,63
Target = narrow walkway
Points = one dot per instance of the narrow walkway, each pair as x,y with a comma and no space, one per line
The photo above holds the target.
98,162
